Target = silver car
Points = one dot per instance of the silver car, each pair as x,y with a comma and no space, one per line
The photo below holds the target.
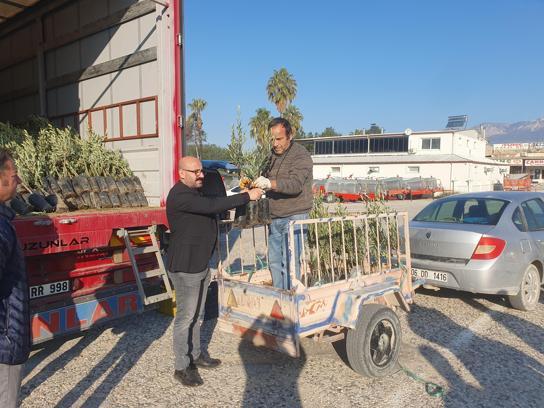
483,243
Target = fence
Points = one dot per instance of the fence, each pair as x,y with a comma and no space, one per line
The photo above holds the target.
326,250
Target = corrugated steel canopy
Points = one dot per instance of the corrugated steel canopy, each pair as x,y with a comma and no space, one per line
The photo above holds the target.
10,8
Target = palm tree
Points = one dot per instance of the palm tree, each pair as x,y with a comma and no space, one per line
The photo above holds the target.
282,89
295,118
195,124
258,127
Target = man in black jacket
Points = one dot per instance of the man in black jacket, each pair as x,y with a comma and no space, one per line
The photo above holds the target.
14,308
193,227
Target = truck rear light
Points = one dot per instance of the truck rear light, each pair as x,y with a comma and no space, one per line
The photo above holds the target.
488,248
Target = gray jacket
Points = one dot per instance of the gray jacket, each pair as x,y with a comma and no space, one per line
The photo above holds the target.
293,172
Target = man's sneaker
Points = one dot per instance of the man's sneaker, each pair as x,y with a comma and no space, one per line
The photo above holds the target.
205,361
189,376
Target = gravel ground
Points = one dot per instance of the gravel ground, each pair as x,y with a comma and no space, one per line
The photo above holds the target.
481,351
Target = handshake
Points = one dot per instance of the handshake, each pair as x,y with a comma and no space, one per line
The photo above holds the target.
257,187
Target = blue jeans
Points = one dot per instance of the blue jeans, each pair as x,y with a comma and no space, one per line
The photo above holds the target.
278,250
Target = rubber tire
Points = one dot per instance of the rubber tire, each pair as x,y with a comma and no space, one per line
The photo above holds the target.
400,197
358,341
330,198
520,301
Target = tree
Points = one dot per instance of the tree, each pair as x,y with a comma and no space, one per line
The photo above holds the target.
210,152
329,131
258,127
375,129
195,125
358,132
237,140
295,118
282,89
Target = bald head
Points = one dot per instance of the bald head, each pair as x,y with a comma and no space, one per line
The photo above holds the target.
190,172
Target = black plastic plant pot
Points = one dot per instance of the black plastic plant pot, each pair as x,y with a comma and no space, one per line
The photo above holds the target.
129,184
66,187
52,199
20,206
39,202
105,201
142,199
102,185
53,185
137,183
121,186
264,211
115,201
93,183
112,187
125,203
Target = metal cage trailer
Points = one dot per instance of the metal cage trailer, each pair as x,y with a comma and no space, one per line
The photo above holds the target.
353,275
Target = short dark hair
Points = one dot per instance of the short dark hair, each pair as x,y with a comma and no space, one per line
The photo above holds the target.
5,156
281,121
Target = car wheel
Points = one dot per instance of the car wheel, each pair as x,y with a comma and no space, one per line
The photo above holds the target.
373,347
529,292
330,198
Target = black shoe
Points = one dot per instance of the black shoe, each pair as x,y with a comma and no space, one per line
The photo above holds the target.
207,362
189,376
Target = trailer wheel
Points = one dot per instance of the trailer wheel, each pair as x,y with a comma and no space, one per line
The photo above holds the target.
373,347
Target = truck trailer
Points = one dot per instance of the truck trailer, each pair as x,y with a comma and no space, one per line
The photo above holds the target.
114,67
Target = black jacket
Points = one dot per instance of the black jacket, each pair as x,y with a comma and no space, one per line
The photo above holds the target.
14,307
193,226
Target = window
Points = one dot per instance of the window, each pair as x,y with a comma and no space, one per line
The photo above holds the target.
374,169
335,171
413,169
516,219
430,143
534,214
484,211
323,147
389,144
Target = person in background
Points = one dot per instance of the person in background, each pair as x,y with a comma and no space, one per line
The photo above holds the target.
14,301
193,228
288,182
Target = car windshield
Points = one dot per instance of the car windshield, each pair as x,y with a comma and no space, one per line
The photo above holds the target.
465,210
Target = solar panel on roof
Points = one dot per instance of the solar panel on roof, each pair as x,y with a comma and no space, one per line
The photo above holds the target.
457,122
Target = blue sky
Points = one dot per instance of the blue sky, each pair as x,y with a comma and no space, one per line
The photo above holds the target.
397,63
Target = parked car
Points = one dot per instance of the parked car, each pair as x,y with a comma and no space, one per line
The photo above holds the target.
482,243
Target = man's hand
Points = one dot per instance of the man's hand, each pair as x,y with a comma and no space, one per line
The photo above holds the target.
263,182
255,194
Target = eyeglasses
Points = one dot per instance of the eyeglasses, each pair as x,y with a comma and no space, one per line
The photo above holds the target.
196,172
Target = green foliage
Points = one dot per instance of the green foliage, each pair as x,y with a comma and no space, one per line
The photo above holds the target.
294,116
57,152
281,89
329,131
349,242
210,152
374,129
358,132
237,141
258,127
195,126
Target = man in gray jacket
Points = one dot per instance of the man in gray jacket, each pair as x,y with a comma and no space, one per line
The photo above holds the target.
288,180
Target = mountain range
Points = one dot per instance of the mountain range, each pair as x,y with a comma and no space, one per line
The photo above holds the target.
519,132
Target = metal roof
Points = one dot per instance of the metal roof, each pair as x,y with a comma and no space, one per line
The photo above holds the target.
399,158
10,8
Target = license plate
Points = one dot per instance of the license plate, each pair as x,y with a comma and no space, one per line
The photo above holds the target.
49,289
429,275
